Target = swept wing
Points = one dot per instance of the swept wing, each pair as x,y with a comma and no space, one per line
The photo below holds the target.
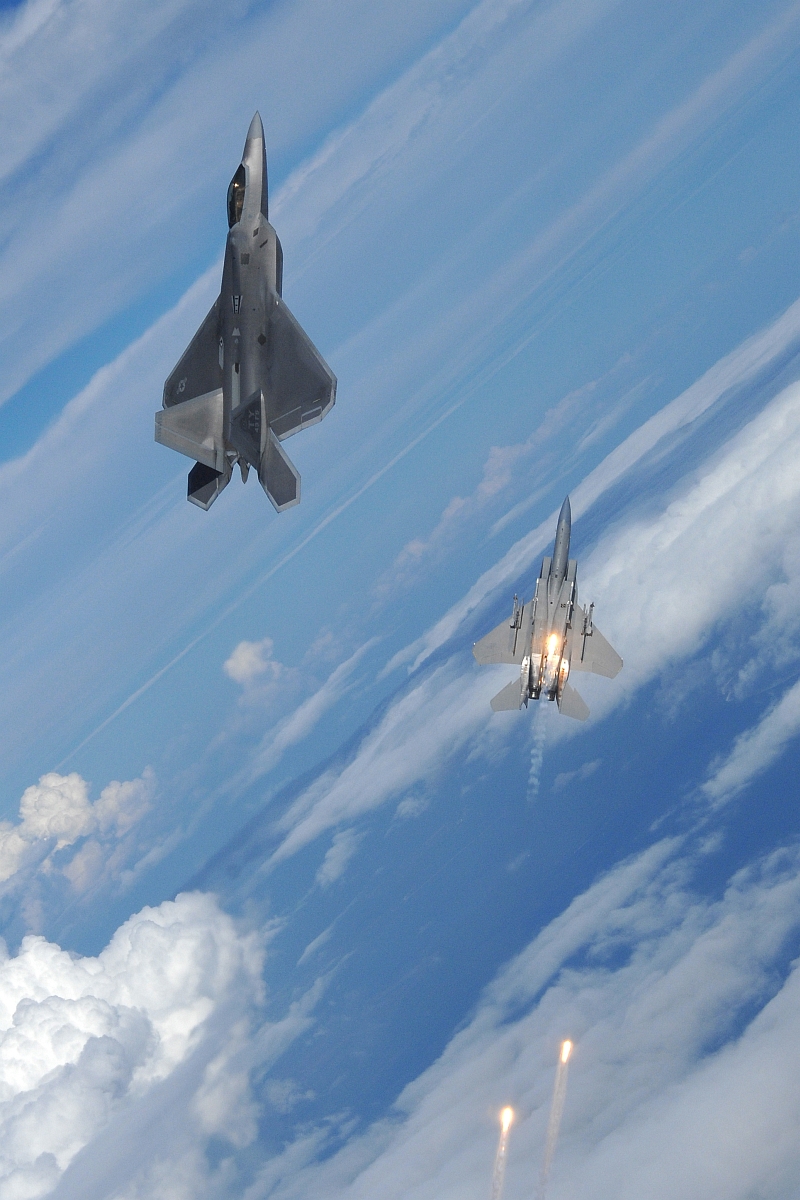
303,385
590,650
510,641
191,420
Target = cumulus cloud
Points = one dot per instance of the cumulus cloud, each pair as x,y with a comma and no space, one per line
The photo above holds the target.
251,661
56,813
684,1077
82,1039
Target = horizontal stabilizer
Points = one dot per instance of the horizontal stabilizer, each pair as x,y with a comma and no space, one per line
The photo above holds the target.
572,704
278,475
510,698
591,651
194,428
509,642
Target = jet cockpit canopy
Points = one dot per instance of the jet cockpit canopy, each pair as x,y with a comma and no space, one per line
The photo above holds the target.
236,197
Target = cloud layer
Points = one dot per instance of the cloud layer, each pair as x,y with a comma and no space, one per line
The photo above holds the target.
683,1081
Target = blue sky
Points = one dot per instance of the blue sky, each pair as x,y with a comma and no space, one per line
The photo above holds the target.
545,248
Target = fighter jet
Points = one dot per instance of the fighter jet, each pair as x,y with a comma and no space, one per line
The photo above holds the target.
550,637
250,377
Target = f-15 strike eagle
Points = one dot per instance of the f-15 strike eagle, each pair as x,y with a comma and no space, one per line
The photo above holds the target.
250,377
550,637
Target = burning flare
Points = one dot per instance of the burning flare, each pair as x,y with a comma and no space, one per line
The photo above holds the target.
499,1173
556,1110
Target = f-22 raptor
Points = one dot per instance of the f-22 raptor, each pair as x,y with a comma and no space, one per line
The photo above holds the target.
550,637
250,377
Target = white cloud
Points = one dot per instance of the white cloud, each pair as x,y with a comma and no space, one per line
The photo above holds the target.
509,464
649,978
756,749
668,1097
663,583
82,1039
56,813
413,739
121,805
284,1094
299,723
338,856
461,512
57,807
565,778
412,806
250,661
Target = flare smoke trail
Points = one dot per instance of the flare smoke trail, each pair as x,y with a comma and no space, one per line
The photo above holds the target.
499,1173
556,1110
537,753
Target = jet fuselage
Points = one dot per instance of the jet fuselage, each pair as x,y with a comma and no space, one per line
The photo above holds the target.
553,606
549,637
250,377
251,280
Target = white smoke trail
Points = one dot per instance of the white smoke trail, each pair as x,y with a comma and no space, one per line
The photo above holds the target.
556,1111
499,1173
537,753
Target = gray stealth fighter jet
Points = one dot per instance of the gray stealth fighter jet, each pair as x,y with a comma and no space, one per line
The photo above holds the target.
550,637
250,377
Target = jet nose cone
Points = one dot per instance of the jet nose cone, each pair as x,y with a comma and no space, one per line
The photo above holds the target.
566,513
256,129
